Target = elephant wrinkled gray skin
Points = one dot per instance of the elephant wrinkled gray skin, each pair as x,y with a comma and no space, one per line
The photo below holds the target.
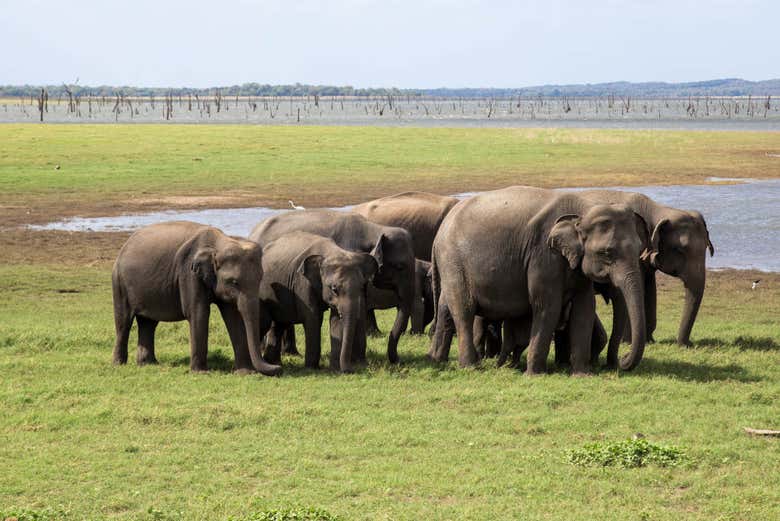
527,252
419,213
679,241
390,246
306,274
422,310
174,271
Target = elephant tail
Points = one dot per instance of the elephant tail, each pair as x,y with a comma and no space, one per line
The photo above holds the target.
435,289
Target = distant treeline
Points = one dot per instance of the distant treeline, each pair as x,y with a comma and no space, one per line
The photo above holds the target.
722,87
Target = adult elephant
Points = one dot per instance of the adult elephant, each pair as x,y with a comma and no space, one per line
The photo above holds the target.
174,271
679,244
390,246
529,252
306,274
420,213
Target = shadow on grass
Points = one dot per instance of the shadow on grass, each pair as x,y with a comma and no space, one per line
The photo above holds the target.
695,372
745,343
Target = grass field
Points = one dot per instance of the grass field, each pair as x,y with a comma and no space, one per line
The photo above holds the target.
81,439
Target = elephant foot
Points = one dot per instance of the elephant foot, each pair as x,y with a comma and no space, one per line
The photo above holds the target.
271,370
119,361
197,370
650,338
581,374
610,366
534,372
244,371
147,361
684,343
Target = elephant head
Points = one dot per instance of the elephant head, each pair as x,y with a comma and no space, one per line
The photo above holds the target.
341,281
394,255
605,243
678,247
231,269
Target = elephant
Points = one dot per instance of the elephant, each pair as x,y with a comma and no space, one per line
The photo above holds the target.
679,244
420,213
422,310
306,274
390,246
174,271
530,252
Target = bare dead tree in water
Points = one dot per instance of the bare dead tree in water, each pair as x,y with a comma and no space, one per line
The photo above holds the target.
218,99
767,105
71,106
41,100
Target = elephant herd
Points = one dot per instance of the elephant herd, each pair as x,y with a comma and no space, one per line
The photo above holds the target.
506,271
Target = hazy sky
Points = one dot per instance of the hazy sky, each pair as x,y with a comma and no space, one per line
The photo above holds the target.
402,43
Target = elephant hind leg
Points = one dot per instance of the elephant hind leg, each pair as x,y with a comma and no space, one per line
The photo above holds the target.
123,321
372,328
146,329
443,330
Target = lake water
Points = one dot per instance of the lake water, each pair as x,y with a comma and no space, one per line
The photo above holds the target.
743,219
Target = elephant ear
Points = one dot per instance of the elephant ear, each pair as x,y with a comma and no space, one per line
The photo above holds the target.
310,268
204,265
699,217
565,239
368,265
655,238
378,251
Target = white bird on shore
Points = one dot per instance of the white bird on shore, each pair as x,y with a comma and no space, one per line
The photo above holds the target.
294,207
755,284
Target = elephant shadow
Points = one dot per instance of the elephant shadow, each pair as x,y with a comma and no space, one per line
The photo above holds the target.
695,372
743,342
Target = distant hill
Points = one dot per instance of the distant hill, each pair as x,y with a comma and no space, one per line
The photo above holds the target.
722,87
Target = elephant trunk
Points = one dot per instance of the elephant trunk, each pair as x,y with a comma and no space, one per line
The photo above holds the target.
250,312
632,289
694,291
349,320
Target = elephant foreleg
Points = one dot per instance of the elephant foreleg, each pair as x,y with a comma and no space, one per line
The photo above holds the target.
545,319
199,337
581,331
312,329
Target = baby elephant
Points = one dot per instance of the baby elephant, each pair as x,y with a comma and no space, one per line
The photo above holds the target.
306,274
174,271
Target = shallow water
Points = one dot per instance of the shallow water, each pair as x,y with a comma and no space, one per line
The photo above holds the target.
743,219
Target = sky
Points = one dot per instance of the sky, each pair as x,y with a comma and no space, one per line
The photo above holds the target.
387,43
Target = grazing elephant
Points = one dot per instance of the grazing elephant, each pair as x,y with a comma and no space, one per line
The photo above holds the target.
529,252
679,243
305,274
419,213
390,246
174,271
422,310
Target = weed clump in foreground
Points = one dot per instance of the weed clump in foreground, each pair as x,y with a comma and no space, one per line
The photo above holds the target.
626,454
295,514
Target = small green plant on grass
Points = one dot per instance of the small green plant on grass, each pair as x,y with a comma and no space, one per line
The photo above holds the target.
291,514
627,454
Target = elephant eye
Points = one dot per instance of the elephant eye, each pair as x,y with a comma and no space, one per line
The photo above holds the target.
232,282
605,253
334,289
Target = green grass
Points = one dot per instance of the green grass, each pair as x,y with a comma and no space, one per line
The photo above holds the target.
81,439
108,164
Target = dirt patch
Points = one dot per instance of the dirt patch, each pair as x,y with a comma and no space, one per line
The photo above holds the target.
24,246
192,201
